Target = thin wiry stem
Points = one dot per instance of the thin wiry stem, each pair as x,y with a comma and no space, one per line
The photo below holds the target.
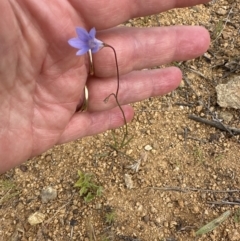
115,95
116,62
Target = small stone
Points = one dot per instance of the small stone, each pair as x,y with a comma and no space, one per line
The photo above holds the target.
146,218
73,222
148,148
196,209
129,152
48,194
173,224
182,84
23,168
75,211
158,220
225,35
153,210
199,108
214,137
207,56
181,203
221,11
180,137
170,205
226,116
48,158
36,218
228,95
140,208
165,224
98,206
128,181
203,195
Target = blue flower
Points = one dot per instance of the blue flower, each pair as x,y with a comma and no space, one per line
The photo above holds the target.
85,41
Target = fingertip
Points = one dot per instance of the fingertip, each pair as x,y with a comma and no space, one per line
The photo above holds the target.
201,34
193,43
176,73
166,80
176,77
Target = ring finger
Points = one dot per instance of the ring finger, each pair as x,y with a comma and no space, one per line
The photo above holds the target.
134,87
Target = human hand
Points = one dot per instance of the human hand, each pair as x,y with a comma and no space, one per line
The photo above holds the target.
42,80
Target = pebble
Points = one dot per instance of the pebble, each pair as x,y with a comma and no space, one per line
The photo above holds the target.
181,203
48,158
146,218
153,210
36,218
148,148
170,205
165,224
98,206
196,209
199,108
73,222
140,208
48,194
23,168
182,84
221,11
128,181
158,220
226,116
173,224
129,152
228,95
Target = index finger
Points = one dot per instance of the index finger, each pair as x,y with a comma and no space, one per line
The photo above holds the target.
104,14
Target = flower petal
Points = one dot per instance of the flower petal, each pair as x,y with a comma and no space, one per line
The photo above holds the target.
92,32
76,43
98,45
95,49
82,51
86,41
82,34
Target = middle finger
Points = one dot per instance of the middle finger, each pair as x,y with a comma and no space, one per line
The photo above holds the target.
139,48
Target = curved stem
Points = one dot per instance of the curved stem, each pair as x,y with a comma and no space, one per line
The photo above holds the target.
116,62
116,95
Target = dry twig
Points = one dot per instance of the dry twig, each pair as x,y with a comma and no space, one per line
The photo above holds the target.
191,189
217,124
222,202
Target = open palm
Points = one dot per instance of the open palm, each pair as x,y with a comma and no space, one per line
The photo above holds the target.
42,81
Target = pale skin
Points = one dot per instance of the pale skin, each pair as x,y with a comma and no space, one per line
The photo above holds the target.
42,81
